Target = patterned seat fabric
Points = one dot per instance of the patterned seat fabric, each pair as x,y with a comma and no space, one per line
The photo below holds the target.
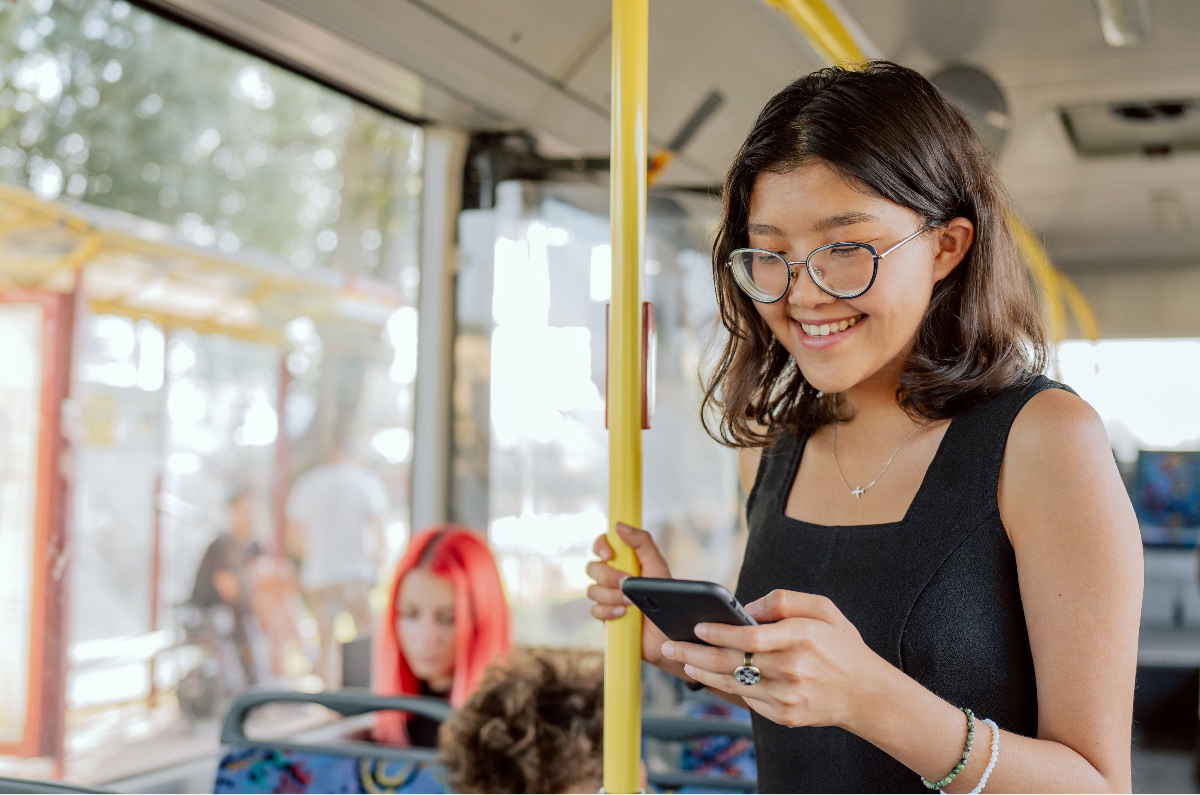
720,755
263,770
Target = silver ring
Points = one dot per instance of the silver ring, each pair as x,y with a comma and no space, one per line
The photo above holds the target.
746,673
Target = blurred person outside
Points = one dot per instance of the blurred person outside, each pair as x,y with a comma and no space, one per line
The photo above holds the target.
536,724
446,621
330,511
224,588
279,609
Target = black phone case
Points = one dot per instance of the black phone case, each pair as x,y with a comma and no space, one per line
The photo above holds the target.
677,606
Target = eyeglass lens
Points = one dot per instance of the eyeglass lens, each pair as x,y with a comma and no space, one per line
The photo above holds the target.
843,270
840,270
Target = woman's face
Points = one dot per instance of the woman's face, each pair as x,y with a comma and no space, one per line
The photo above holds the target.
813,205
425,627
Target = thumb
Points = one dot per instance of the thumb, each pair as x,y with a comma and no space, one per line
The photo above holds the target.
648,554
781,604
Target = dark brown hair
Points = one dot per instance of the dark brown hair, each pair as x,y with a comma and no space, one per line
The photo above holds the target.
891,133
535,725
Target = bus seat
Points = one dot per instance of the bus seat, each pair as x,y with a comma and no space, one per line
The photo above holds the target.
730,740
322,761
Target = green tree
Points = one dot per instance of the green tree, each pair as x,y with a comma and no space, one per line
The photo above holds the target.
112,105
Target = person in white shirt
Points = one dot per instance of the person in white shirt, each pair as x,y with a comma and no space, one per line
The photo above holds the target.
331,510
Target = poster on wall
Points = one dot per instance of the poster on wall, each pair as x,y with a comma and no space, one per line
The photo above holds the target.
20,398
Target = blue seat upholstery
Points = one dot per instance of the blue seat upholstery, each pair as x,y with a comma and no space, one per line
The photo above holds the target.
347,765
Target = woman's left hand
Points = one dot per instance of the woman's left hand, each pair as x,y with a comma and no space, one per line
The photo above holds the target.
816,669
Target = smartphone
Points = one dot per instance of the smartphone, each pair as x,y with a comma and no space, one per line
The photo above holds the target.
677,606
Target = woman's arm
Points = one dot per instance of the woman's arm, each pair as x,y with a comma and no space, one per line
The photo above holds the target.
1079,562
1079,565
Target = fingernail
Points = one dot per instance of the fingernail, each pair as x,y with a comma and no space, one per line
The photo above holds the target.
701,631
754,608
605,554
690,671
618,612
668,650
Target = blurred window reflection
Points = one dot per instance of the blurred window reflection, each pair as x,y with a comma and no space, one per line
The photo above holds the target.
20,399
184,443
531,450
112,105
1144,390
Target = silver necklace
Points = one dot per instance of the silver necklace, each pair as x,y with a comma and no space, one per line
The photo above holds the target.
859,491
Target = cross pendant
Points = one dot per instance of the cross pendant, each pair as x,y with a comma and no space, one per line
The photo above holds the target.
858,492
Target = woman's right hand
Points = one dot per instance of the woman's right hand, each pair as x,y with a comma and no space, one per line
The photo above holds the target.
608,600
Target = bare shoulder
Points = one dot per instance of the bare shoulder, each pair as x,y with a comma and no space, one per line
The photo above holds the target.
748,459
1059,472
1055,424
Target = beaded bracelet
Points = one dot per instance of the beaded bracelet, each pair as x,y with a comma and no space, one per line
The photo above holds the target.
991,724
966,754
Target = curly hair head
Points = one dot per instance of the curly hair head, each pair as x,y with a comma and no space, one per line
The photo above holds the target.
535,725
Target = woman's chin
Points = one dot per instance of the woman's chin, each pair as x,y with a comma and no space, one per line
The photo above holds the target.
829,384
430,674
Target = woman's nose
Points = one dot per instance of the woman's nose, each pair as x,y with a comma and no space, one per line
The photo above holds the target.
805,292
431,632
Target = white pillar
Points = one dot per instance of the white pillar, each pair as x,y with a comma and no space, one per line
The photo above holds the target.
445,156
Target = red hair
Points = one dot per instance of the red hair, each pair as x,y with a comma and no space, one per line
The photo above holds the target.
481,622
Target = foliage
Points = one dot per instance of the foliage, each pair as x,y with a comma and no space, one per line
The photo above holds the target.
110,104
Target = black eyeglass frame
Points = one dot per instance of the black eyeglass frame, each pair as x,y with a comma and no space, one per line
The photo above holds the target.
806,262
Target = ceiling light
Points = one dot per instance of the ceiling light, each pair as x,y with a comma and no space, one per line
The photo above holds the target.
1125,23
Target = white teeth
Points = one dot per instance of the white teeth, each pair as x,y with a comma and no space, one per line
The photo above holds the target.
825,329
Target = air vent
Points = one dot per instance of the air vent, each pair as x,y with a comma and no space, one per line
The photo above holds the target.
1154,128
1149,112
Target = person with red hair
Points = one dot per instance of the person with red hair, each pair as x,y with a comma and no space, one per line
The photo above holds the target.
446,620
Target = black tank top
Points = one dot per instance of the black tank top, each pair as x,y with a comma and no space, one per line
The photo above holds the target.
935,594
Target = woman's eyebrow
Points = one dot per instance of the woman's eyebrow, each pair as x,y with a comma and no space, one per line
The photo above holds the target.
763,229
842,219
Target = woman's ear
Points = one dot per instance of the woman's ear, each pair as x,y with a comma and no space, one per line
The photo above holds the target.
954,239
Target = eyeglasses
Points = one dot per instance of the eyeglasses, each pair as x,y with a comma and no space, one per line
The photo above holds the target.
843,270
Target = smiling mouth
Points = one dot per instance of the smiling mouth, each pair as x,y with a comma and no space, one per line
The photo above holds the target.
826,329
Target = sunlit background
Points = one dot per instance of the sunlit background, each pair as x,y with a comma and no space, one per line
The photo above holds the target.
1146,390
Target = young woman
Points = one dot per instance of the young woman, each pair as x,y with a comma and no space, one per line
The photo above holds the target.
446,620
934,526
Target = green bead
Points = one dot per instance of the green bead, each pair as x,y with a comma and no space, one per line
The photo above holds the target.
966,754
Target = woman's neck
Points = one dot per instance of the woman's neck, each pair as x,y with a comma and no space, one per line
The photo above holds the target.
439,685
871,404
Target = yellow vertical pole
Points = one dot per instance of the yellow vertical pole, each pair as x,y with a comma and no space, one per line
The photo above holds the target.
623,652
